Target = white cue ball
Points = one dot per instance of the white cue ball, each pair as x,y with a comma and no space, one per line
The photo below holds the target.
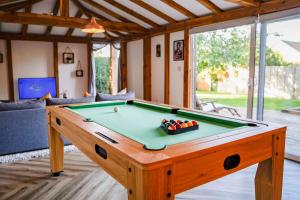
116,109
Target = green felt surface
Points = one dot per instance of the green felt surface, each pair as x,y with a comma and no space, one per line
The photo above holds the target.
140,122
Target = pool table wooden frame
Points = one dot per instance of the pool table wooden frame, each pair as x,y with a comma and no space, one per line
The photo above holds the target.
160,175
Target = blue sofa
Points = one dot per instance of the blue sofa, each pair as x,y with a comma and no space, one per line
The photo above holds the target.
23,127
23,130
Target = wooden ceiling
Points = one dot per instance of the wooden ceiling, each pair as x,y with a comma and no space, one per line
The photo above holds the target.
61,20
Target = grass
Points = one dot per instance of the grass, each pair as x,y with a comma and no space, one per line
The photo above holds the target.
241,100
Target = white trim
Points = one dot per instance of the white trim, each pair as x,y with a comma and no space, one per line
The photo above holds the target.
223,25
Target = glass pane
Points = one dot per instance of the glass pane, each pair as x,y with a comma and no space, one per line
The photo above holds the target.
282,79
102,68
223,70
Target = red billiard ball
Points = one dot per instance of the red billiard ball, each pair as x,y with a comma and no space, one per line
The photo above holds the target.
195,123
189,124
164,121
172,128
178,126
179,121
184,125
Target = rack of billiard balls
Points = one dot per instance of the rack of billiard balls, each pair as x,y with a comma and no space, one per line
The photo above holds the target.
173,127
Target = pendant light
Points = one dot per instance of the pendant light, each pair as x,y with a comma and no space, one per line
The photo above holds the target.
93,27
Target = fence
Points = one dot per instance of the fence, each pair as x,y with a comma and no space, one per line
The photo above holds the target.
280,82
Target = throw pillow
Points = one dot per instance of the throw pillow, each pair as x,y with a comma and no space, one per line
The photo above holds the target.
47,96
58,101
124,91
87,94
109,97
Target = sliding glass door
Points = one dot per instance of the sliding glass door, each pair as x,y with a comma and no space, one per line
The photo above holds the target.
225,70
279,78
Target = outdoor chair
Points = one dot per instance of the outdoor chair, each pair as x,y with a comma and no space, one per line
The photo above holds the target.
210,105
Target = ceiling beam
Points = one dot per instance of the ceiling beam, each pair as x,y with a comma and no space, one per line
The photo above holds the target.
107,11
211,6
50,38
25,26
71,30
132,12
64,8
54,13
180,8
237,13
70,22
245,2
154,10
13,7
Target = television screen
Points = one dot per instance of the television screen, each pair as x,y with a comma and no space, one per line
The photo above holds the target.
33,88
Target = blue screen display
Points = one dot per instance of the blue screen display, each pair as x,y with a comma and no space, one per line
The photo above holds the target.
33,88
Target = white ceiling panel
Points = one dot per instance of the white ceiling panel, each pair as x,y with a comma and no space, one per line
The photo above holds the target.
112,34
98,35
194,6
84,16
99,12
21,10
125,15
72,9
79,33
43,7
159,5
36,29
224,5
142,11
124,32
59,30
10,27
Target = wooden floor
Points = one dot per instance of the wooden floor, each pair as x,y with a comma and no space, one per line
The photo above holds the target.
82,179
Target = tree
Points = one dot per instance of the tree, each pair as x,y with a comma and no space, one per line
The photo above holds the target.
218,50
102,74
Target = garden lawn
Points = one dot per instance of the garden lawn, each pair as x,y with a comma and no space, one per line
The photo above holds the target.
241,100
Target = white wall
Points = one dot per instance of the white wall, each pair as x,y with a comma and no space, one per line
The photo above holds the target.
35,59
75,86
4,90
176,73
157,69
135,68
30,60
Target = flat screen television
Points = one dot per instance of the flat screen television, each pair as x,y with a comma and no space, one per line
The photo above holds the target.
33,88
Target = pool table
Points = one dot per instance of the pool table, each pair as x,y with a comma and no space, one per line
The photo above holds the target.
126,140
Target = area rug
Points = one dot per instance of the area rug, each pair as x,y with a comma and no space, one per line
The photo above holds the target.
32,154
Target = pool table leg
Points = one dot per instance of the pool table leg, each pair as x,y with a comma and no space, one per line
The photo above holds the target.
268,179
56,148
150,185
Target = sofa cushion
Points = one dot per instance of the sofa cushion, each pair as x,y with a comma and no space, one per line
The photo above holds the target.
59,101
22,105
124,91
110,97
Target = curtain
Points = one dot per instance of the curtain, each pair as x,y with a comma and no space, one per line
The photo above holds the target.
117,45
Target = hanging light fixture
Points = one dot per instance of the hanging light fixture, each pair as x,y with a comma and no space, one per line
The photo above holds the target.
93,27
